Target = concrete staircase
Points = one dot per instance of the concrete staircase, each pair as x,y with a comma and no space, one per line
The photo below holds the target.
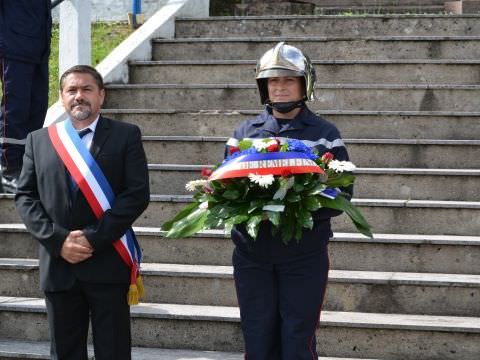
379,6
405,92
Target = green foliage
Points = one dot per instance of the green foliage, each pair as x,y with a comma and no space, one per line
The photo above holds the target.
105,37
287,202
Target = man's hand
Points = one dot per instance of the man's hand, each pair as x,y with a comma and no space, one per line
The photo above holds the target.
76,248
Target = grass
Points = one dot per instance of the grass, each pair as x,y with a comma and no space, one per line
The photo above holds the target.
105,37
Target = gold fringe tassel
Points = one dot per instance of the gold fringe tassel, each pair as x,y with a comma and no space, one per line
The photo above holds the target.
140,287
132,297
136,292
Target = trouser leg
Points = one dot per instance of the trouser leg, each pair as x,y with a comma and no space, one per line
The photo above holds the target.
302,285
110,315
256,286
68,314
23,108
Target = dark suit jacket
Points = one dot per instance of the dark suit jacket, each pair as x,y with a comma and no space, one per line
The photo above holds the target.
50,213
25,30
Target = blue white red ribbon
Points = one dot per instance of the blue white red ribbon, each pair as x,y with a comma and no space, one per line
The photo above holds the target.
272,163
95,187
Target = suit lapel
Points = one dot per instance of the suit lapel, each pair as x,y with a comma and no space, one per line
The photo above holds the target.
100,136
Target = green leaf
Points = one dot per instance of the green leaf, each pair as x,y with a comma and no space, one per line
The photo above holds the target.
285,185
183,213
293,197
256,204
231,194
228,229
273,217
287,226
298,187
213,222
221,210
216,185
245,144
311,203
343,204
317,189
189,225
238,219
298,232
306,220
342,180
253,225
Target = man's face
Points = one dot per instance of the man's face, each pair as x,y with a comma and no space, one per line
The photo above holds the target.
285,89
81,97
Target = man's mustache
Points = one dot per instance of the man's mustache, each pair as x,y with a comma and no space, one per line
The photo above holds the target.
80,102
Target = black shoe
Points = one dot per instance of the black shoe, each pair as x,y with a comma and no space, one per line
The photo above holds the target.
9,182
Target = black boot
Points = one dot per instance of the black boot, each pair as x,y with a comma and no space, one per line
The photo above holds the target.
9,180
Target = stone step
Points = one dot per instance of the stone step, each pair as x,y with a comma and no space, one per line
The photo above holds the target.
336,72
322,48
361,291
352,124
378,3
348,251
385,216
420,184
385,25
341,334
27,350
381,97
391,153
359,10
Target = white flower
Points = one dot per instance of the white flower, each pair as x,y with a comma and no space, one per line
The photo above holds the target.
192,185
262,180
341,166
203,205
261,144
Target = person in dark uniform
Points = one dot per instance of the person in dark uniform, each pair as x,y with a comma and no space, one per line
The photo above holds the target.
25,32
281,287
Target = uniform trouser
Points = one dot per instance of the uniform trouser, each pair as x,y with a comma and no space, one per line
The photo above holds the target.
280,305
23,107
68,317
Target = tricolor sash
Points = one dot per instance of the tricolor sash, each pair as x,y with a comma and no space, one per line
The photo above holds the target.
271,163
91,181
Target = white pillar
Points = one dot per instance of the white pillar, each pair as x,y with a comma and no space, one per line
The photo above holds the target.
75,39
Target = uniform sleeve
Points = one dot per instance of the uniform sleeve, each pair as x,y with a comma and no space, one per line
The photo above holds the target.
33,214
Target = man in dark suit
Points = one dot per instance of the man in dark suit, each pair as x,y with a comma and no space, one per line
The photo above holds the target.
80,271
25,32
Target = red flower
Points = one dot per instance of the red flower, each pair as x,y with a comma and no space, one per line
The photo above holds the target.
233,149
273,147
206,172
327,157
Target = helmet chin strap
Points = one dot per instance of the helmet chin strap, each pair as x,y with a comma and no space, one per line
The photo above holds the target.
285,107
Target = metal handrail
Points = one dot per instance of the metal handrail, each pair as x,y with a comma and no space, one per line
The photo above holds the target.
56,2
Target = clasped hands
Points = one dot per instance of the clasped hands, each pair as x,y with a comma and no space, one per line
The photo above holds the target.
76,247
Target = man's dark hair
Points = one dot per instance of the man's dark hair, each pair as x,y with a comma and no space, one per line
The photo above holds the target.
83,69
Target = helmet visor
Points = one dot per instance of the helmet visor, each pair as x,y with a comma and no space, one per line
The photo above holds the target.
269,73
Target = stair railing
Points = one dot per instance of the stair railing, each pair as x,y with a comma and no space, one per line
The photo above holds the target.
75,41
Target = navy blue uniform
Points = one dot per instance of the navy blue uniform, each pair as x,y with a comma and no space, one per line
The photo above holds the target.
25,31
280,287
